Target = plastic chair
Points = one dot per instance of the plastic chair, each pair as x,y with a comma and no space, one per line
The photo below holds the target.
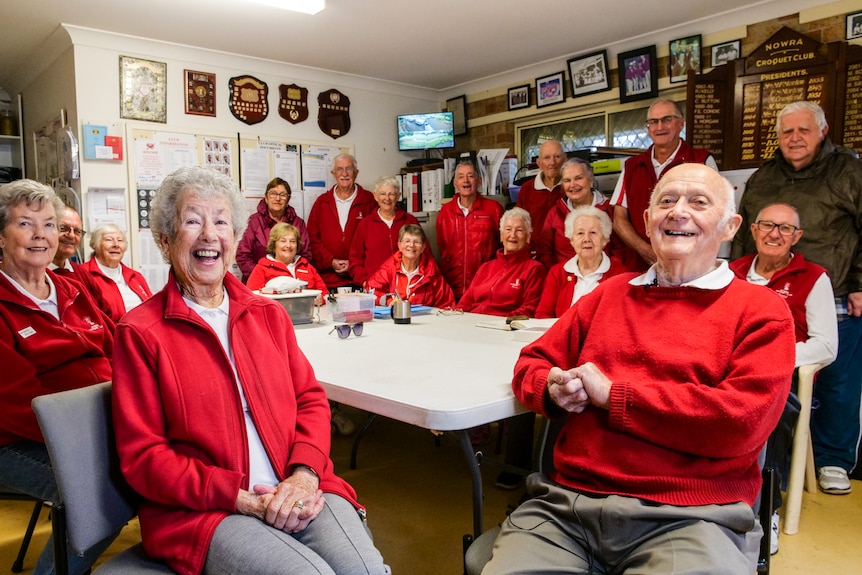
95,499
802,456
7,494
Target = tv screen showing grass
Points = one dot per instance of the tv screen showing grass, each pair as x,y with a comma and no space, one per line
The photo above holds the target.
426,131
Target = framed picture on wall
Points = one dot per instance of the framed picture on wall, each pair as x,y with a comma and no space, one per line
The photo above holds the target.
143,91
684,57
589,73
854,25
200,93
519,97
638,74
458,107
726,52
550,90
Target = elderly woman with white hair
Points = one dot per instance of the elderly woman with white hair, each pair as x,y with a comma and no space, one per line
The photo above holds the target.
221,426
120,287
511,284
588,229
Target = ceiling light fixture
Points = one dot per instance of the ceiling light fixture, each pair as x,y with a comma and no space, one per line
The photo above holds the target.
304,6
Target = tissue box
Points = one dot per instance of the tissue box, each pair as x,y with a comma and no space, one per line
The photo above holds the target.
299,306
351,307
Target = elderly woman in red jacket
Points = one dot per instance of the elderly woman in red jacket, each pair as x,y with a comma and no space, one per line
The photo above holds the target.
120,287
283,259
221,426
411,273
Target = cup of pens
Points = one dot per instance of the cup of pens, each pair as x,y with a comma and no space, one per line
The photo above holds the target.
400,310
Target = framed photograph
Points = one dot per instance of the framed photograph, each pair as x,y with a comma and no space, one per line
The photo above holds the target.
638,72
143,93
726,52
200,93
519,97
589,73
684,57
550,90
458,107
854,25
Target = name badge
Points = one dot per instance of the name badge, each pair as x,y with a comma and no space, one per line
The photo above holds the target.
27,332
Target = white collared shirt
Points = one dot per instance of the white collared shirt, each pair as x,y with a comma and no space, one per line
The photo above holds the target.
49,305
343,207
718,278
586,283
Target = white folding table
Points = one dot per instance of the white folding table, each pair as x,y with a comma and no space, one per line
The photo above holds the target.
440,372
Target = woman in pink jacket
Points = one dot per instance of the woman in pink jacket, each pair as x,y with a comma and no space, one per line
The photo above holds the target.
221,426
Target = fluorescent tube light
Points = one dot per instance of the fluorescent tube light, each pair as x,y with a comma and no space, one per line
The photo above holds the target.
304,6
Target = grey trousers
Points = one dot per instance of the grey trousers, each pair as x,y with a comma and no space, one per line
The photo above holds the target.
562,531
336,542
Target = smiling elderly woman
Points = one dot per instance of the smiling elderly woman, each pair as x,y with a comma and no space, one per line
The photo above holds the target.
221,425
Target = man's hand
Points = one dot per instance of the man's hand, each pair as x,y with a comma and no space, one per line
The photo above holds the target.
340,266
596,384
567,391
854,304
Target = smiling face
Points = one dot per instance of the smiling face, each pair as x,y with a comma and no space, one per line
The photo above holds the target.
550,160
276,201
800,138
577,185
411,246
286,247
773,244
665,135
588,238
514,234
204,244
110,249
387,198
71,238
344,172
29,239
684,220
466,181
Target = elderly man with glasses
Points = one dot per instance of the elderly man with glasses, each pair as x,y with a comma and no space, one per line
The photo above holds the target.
640,174
824,182
65,262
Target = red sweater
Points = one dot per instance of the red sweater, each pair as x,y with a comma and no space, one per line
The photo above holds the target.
560,288
108,295
268,268
41,355
425,288
328,240
180,426
538,202
467,242
700,378
374,243
508,285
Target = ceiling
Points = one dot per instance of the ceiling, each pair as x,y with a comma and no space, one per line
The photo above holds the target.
436,45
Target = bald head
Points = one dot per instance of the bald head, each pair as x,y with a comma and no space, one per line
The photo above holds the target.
550,160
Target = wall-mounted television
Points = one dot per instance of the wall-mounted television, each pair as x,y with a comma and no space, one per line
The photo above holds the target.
426,131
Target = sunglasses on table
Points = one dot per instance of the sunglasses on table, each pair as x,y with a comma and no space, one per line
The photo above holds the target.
343,330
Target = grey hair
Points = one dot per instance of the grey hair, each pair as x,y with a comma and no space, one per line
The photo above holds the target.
412,229
471,165
802,106
31,193
588,168
517,214
676,107
96,235
345,156
202,182
387,182
588,211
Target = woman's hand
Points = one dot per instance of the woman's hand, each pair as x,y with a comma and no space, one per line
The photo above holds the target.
289,506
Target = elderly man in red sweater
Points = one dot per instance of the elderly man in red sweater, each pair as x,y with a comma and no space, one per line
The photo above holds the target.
667,403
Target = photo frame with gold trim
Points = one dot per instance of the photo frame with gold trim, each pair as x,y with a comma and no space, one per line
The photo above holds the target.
143,90
200,90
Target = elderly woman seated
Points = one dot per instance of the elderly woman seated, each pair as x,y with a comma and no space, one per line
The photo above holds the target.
120,287
511,284
377,236
588,229
553,245
221,426
283,259
411,273
53,337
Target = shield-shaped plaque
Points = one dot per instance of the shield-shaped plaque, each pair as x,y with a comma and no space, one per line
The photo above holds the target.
248,102
333,114
293,105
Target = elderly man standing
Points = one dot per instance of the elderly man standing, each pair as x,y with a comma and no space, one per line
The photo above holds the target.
539,195
639,176
657,460
333,221
71,230
468,232
824,182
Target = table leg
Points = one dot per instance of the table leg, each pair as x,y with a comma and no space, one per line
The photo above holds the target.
355,448
473,459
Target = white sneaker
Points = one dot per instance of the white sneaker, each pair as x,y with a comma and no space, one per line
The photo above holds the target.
341,422
773,543
834,480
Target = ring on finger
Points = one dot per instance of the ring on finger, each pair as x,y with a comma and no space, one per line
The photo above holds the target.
299,505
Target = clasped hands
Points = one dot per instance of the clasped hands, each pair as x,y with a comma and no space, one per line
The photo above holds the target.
574,389
289,506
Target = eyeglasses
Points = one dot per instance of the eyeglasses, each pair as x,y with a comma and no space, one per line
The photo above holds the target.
347,170
665,121
281,195
343,330
783,229
66,229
